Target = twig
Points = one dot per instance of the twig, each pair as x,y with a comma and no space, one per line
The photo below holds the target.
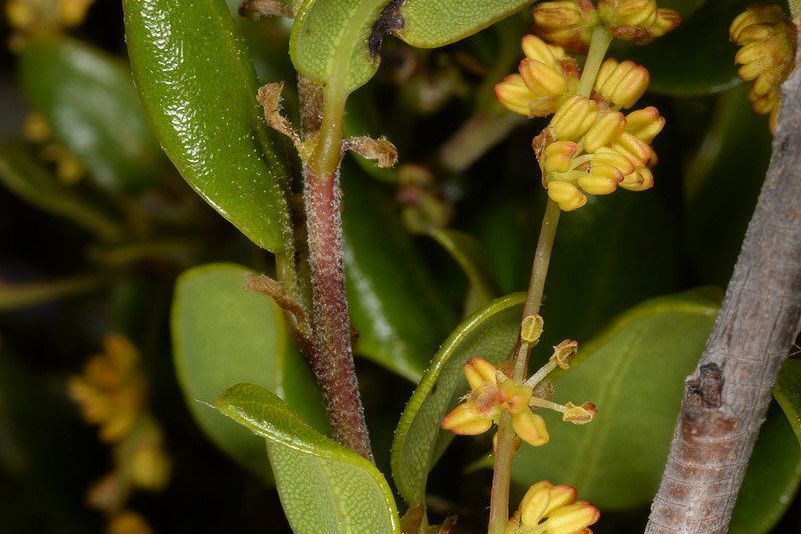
726,398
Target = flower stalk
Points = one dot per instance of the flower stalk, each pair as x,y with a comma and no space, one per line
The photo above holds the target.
505,446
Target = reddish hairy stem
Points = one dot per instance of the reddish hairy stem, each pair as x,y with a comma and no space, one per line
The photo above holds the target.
332,356
725,400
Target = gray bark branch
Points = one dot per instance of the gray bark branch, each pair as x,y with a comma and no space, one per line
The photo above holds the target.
726,398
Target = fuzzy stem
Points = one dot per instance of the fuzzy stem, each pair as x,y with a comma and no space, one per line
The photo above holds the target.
505,449
332,358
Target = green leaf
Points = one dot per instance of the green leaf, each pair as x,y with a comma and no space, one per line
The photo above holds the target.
428,24
324,487
90,102
736,148
198,86
223,335
332,39
771,480
695,59
24,175
490,333
788,393
394,305
617,460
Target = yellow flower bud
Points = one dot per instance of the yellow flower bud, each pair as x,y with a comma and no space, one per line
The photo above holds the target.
513,94
621,84
561,495
128,523
607,128
542,79
645,124
538,50
558,156
564,352
602,183
574,118
638,180
579,415
628,12
535,503
530,427
636,150
467,419
606,157
666,21
571,519
568,196
768,41
568,23
531,328
479,371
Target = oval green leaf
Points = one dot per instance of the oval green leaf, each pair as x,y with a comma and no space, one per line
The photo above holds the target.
394,305
198,86
324,487
223,335
771,480
695,59
89,100
490,333
338,41
788,393
428,24
25,176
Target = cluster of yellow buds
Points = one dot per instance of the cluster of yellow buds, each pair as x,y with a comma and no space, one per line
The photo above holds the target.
591,147
111,393
547,76
569,23
27,17
68,169
493,392
111,389
552,509
767,56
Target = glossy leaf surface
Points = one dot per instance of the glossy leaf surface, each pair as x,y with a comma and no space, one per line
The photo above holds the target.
696,58
24,175
428,24
491,333
324,488
224,335
89,101
395,306
196,80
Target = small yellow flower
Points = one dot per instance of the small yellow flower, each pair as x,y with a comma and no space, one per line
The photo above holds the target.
640,21
590,149
768,41
567,23
546,77
552,509
621,84
127,522
111,389
492,392
27,17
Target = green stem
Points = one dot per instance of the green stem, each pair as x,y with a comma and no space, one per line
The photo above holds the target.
504,451
14,297
599,44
